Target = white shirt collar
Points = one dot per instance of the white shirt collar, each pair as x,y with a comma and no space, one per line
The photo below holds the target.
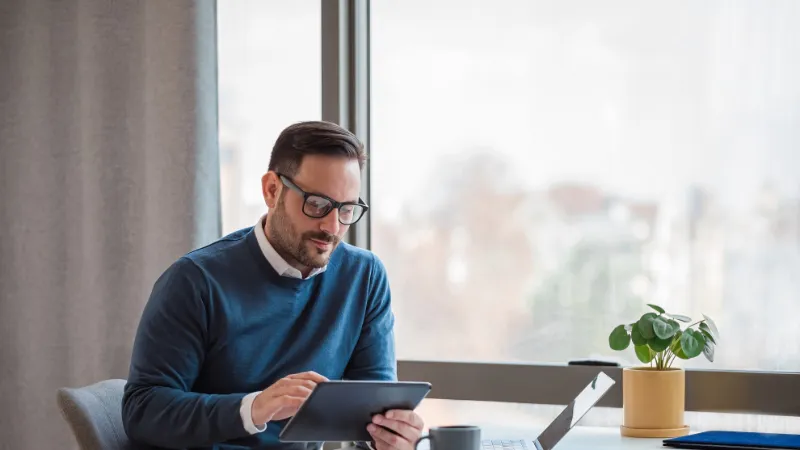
275,260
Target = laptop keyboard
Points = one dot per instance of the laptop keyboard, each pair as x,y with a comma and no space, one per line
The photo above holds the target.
504,445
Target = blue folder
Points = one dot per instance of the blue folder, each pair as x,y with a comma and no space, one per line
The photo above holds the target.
738,440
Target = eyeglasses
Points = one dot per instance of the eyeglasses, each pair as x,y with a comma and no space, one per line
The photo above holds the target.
318,206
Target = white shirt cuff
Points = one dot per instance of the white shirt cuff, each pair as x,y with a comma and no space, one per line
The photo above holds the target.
246,411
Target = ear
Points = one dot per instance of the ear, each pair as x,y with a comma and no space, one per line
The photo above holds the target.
271,188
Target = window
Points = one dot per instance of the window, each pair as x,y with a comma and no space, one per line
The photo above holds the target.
542,170
269,77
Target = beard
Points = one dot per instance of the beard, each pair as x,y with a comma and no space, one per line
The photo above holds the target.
295,247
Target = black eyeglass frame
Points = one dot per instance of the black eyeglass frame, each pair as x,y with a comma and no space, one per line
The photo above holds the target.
334,204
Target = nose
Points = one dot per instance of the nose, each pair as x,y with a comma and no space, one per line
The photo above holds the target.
330,223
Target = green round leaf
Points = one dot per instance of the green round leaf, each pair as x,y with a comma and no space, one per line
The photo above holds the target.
657,308
708,351
646,325
664,329
679,353
681,318
675,325
692,343
659,345
676,340
706,330
619,338
700,337
636,336
676,346
712,326
707,334
644,354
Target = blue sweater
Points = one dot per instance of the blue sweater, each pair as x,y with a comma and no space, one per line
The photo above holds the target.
221,323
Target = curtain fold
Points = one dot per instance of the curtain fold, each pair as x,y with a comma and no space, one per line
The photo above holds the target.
108,172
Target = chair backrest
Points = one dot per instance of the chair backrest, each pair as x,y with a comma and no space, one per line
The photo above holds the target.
94,413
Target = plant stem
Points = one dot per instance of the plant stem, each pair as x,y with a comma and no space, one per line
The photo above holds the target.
670,358
670,352
698,322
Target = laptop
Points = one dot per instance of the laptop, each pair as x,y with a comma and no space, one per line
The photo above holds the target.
564,422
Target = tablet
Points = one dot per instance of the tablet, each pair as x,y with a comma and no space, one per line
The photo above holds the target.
340,410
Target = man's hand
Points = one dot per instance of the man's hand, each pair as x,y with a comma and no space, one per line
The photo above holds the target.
284,397
406,428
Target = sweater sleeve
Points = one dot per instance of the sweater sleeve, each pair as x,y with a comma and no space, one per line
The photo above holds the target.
158,406
374,355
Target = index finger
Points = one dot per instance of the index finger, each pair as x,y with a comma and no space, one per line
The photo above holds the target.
310,375
407,416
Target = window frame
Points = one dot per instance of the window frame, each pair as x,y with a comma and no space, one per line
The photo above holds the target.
346,84
346,101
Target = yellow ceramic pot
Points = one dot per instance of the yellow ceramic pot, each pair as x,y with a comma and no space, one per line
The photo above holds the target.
653,402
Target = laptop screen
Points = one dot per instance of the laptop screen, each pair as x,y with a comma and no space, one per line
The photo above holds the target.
579,406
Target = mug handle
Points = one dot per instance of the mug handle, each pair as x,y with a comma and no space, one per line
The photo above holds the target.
427,436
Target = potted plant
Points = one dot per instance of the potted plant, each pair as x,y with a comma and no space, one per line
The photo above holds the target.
653,396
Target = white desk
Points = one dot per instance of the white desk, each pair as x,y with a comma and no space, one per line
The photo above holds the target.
581,438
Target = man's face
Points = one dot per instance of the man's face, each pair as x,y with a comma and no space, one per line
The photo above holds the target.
306,242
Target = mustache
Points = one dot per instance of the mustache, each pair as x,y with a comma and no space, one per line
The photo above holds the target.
321,236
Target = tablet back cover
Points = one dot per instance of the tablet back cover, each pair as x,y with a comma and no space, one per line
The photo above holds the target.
341,410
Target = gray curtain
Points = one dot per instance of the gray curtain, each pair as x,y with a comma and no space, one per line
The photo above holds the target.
108,172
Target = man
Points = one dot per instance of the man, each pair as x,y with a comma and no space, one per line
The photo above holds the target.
237,334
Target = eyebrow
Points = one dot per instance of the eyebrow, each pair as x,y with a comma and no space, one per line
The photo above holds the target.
320,194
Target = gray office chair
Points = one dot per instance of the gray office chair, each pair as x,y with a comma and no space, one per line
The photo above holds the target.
94,413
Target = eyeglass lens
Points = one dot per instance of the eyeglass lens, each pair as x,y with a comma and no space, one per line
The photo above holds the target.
319,207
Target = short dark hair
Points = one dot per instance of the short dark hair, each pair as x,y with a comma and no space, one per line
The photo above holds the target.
313,138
